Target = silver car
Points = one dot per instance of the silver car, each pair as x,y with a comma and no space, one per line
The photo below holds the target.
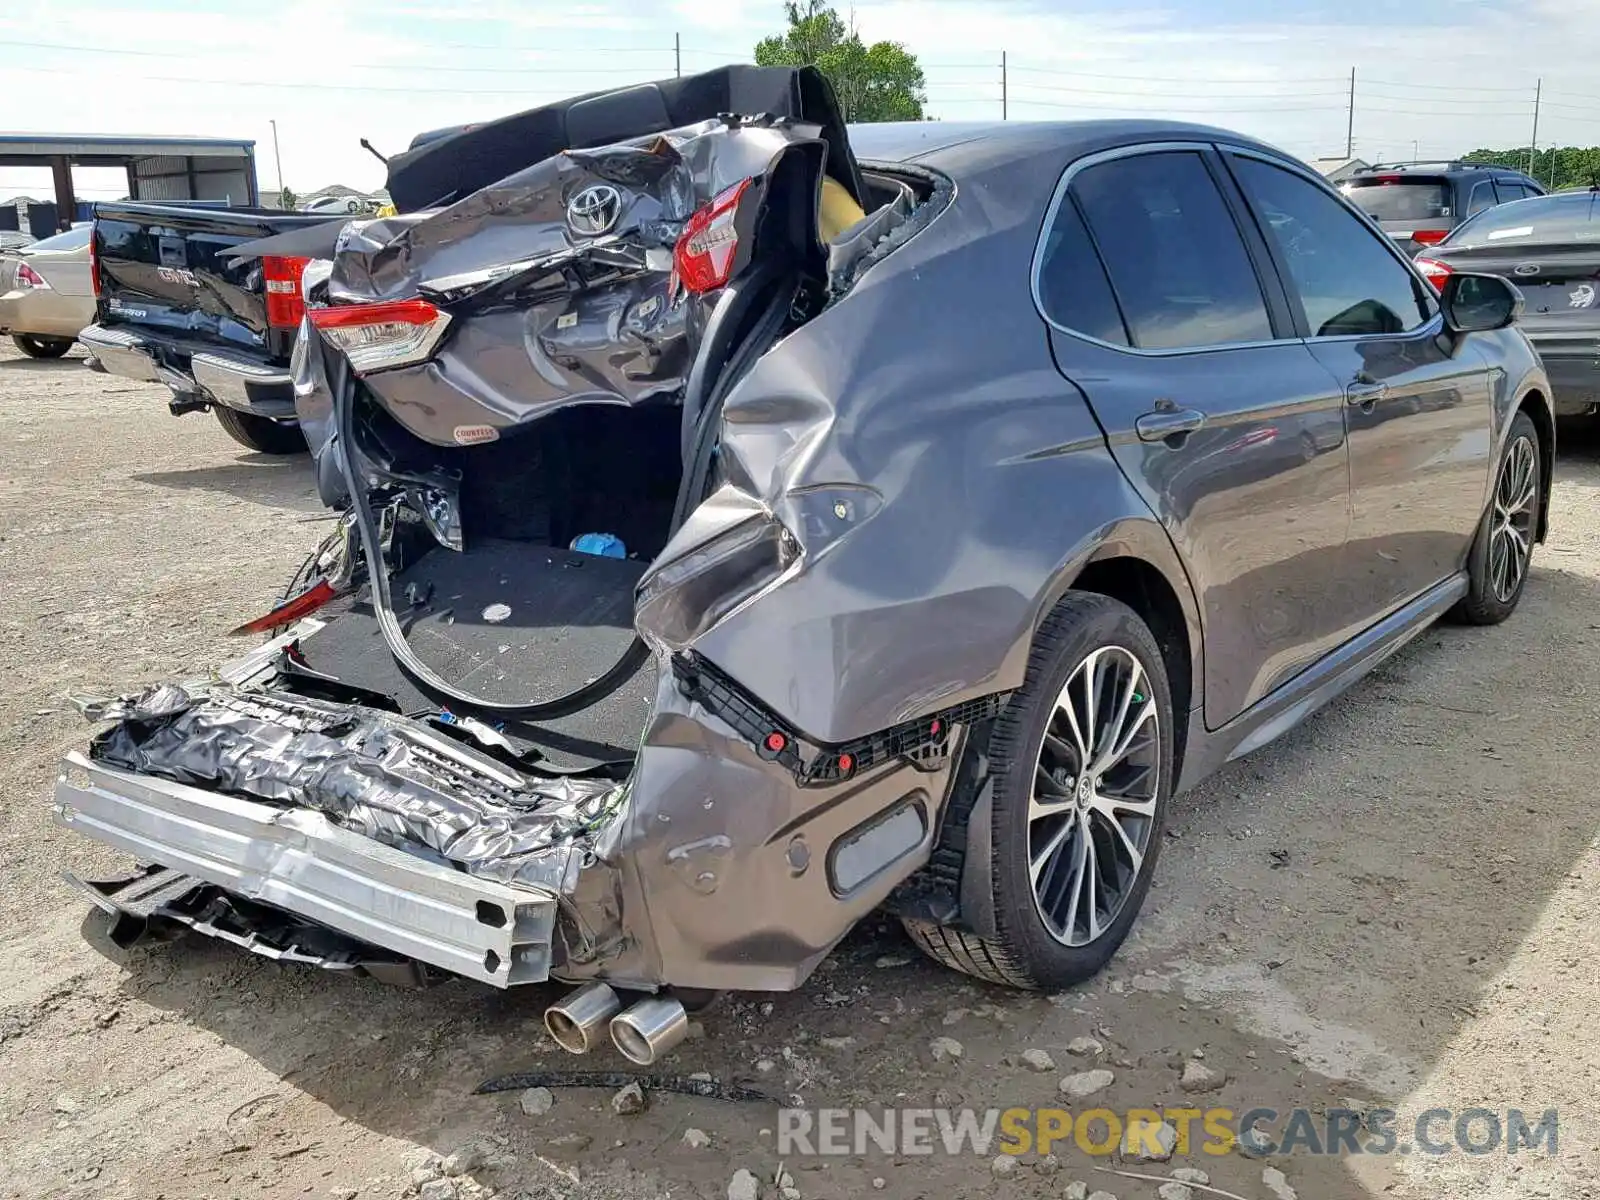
48,294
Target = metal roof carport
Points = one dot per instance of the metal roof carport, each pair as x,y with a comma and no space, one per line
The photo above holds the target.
159,168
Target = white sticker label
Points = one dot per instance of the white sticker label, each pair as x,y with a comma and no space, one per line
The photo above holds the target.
566,320
1519,231
475,435
648,308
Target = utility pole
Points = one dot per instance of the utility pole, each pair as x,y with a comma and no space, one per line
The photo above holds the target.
277,157
1533,145
1350,121
677,55
1002,85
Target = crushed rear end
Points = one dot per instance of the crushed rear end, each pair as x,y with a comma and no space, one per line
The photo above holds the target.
487,736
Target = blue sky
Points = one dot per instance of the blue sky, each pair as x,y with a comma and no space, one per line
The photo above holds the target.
1436,77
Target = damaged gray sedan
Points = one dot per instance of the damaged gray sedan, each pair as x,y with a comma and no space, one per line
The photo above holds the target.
739,536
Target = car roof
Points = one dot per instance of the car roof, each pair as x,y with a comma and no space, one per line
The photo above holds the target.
1439,167
954,145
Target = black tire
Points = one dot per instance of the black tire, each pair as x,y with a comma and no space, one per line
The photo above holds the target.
41,347
1488,600
260,433
1026,953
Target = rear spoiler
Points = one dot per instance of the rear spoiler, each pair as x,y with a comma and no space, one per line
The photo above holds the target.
448,165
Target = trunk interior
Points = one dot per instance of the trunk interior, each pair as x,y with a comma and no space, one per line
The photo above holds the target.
518,616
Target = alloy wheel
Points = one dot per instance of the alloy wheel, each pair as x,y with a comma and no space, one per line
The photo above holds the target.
1093,805
1511,534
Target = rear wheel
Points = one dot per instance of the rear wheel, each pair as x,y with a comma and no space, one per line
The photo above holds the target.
1497,568
41,347
261,433
1081,761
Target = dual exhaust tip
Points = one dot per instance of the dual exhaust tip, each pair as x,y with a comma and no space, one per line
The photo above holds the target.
642,1033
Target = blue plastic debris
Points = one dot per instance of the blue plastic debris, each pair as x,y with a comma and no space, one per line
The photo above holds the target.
607,545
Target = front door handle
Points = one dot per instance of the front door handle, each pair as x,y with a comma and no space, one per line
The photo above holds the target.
1365,394
1167,423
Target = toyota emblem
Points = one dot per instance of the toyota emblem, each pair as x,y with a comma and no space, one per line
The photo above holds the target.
594,210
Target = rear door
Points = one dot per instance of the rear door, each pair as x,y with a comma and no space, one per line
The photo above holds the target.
1152,280
1418,409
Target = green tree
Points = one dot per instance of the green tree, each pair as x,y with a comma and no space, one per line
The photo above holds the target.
880,82
1557,167
288,201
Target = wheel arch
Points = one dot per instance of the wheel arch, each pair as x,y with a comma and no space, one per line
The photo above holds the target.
1133,562
1537,405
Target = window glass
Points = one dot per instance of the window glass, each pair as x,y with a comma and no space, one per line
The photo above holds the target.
1564,217
1483,197
1401,198
1072,283
1177,264
1349,282
72,239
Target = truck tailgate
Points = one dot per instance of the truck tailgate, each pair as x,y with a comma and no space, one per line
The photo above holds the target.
167,267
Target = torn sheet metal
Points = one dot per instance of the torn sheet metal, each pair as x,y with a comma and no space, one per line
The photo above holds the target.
388,779
558,278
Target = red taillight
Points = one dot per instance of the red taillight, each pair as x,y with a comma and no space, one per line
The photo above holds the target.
1429,237
1387,180
291,610
1434,271
705,253
285,304
28,278
375,337
94,263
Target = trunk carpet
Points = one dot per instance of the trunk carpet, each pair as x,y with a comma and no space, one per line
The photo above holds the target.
570,618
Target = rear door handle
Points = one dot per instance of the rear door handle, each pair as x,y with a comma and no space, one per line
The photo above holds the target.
1365,394
1168,422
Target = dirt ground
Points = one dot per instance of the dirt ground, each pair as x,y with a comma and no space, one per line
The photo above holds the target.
1392,905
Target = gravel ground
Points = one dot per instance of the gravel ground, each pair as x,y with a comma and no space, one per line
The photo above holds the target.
1393,905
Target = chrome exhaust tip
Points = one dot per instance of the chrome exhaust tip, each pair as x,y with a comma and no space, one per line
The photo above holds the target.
578,1021
650,1028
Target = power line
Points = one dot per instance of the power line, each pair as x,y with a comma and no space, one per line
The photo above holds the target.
1046,87
1182,79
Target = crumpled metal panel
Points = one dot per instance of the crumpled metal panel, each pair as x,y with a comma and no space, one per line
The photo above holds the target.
574,318
385,778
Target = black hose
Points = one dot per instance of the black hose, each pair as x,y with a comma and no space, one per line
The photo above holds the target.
690,492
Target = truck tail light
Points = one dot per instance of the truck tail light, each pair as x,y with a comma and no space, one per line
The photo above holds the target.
705,253
94,263
285,303
378,337
1434,271
28,279
1429,237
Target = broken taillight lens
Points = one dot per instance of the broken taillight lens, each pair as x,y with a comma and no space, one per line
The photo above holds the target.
290,610
28,279
378,337
705,253
1434,271
285,303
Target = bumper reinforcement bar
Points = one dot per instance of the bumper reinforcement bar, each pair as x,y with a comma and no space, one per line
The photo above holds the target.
299,861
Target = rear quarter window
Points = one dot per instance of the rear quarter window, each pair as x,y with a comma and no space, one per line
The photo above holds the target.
1073,289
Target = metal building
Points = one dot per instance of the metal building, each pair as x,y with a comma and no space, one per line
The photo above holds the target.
220,170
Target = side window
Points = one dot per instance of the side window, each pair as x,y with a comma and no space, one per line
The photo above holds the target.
1509,190
1073,288
1348,281
1482,197
1177,264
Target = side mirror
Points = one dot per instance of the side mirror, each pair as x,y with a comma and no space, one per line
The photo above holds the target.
1479,303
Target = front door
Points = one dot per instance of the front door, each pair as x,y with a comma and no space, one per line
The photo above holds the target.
1223,419
1418,403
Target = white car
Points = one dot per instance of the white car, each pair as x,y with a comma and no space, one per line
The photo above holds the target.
335,204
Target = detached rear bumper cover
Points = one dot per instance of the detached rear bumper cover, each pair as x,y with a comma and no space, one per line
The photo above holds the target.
300,861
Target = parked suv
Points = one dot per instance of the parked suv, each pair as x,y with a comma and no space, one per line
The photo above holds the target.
1419,203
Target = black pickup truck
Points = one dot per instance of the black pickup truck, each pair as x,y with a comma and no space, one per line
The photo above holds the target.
174,306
